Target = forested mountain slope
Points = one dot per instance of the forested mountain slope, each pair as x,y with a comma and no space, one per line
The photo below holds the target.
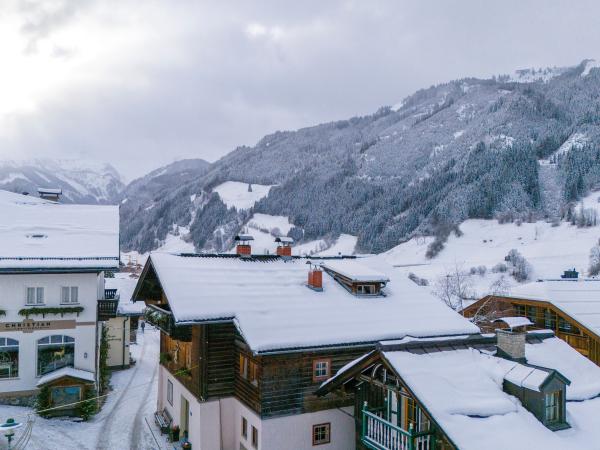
469,148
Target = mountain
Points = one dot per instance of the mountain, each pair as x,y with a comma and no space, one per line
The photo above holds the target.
139,201
81,182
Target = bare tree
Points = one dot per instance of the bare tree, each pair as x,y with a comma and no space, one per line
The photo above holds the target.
454,288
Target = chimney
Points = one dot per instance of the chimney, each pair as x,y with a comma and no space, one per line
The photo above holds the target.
511,344
315,277
243,248
284,247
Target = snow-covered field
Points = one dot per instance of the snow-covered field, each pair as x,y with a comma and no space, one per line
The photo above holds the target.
121,424
236,194
549,249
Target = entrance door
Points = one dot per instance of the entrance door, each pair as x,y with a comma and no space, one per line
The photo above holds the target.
185,416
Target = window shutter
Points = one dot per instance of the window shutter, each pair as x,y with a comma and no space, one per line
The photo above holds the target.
30,295
64,294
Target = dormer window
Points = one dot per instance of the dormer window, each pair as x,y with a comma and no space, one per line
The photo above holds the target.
553,407
366,289
357,279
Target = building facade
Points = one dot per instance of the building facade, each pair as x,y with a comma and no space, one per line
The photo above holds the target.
52,293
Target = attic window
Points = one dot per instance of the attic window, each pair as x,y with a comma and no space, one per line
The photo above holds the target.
552,407
366,289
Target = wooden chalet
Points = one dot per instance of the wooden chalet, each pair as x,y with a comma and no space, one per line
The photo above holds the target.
469,393
255,336
568,306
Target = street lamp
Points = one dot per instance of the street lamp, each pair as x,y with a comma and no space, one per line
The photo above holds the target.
9,428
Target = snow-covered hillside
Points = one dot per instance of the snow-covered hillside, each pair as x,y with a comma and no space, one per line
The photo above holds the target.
241,195
549,249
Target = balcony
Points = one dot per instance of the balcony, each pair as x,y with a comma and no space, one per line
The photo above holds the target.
107,306
379,434
164,321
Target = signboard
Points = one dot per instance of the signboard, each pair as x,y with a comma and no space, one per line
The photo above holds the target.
30,325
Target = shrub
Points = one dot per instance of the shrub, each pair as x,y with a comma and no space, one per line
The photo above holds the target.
89,406
43,401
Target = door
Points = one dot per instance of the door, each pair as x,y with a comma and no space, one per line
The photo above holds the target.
185,416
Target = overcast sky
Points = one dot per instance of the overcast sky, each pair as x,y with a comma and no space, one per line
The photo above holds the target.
143,83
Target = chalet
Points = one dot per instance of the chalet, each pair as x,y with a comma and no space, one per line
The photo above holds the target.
52,295
512,390
569,306
246,340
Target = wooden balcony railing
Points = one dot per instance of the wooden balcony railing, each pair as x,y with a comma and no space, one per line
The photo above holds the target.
379,434
580,343
107,309
110,294
164,321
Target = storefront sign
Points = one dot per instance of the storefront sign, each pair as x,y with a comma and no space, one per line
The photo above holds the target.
30,325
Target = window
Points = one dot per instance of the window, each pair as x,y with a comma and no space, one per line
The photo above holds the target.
520,310
69,294
365,289
321,434
532,314
549,319
55,352
254,437
248,370
170,392
244,427
321,369
35,296
553,408
243,366
9,358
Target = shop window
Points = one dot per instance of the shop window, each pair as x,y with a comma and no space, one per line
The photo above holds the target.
55,352
9,358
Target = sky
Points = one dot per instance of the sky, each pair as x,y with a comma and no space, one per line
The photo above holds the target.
140,84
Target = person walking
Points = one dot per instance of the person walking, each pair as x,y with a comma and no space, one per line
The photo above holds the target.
143,326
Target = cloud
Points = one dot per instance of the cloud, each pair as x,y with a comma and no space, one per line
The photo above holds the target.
141,86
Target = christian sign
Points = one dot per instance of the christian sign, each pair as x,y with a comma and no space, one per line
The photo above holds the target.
30,325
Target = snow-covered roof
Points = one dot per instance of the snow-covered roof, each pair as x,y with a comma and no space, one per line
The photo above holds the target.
462,390
66,372
50,190
514,322
244,237
274,310
125,287
284,239
40,234
526,376
579,298
354,270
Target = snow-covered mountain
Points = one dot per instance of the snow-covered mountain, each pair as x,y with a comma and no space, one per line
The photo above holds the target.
511,147
81,182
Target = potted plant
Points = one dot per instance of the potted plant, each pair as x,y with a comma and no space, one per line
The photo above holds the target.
174,433
186,445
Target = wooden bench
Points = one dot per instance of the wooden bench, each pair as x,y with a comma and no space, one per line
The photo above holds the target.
164,420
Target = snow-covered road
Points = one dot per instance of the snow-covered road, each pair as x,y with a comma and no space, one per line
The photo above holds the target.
120,425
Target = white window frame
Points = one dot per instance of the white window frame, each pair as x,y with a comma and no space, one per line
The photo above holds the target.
38,297
71,292
326,434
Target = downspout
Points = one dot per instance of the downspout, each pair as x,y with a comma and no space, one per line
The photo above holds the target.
124,347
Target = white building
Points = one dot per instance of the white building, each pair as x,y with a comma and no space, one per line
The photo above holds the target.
247,340
52,262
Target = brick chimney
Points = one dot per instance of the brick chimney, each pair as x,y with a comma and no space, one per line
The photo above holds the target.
284,247
315,277
511,344
243,247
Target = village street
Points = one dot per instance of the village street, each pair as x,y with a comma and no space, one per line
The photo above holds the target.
121,424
